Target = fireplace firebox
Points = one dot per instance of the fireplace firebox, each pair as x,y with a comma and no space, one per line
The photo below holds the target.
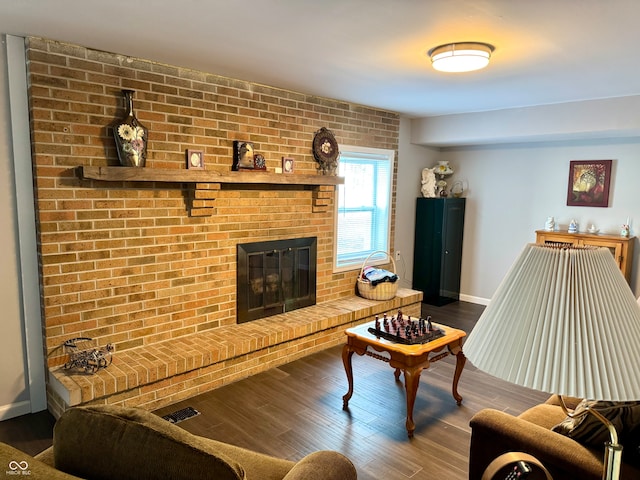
275,277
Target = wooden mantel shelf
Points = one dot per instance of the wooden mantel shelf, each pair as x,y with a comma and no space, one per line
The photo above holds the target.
207,183
132,174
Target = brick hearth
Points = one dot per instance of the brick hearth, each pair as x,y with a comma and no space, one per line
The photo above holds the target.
170,371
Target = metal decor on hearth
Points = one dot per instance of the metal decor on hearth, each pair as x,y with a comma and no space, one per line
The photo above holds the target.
84,356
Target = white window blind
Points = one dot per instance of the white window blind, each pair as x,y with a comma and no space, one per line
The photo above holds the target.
363,206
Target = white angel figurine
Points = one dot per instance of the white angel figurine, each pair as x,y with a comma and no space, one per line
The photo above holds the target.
428,183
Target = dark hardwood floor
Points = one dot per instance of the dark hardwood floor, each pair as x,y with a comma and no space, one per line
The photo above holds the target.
296,409
30,433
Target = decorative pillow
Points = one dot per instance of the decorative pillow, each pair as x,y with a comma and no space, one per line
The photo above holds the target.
588,430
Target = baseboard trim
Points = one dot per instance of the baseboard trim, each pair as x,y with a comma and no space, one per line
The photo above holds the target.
471,299
16,409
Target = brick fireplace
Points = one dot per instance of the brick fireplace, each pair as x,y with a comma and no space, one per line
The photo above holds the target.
126,262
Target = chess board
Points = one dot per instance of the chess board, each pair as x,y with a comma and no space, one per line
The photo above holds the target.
405,330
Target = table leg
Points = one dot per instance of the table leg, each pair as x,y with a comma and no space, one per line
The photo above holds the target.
411,380
347,353
460,361
397,374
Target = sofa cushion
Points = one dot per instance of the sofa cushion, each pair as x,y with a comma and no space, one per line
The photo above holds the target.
588,430
107,442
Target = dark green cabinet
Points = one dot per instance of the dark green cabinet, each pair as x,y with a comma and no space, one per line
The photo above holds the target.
437,252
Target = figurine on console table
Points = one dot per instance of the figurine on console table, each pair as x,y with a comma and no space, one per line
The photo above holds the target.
624,230
550,224
573,227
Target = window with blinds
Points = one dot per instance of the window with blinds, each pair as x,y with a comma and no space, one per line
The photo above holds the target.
363,206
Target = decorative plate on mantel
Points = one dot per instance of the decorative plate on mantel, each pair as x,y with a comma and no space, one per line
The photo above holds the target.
325,151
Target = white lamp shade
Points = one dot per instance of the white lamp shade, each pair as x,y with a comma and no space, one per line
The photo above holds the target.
562,321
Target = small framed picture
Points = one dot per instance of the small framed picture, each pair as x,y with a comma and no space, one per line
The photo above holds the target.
195,159
287,165
243,154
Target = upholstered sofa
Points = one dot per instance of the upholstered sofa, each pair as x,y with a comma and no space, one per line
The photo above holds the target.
495,432
106,442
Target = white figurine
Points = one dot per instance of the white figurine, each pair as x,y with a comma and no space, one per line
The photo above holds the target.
573,227
428,183
550,224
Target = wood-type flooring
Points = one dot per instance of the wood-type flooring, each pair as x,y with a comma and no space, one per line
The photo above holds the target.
296,409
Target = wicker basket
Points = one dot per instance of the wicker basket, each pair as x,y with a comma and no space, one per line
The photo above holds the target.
382,291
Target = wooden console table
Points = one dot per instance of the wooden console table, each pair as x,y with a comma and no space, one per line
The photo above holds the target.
410,359
621,247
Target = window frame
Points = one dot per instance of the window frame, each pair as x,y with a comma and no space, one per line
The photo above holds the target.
389,156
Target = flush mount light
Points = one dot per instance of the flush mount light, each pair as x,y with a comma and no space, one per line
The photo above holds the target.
461,57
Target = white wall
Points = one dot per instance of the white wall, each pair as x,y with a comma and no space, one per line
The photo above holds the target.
513,188
13,383
22,376
515,163
411,160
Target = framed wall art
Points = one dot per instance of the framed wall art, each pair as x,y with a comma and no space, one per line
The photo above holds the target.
589,182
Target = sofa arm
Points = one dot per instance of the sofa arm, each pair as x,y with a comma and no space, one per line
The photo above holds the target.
494,432
20,465
323,465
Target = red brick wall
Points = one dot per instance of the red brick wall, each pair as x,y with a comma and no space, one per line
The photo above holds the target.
124,262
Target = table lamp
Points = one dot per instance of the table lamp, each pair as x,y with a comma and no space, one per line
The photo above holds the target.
564,321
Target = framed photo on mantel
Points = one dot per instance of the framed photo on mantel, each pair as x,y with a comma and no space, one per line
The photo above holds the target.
589,182
242,155
195,159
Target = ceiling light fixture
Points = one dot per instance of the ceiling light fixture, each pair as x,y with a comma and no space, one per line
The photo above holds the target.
461,57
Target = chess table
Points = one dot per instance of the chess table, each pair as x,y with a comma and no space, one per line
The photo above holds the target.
411,359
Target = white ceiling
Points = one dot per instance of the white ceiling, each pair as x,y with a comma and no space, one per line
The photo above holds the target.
371,52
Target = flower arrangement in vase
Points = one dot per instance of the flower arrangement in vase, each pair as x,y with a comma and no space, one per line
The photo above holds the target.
130,136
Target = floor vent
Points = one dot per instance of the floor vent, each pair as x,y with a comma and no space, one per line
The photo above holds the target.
180,415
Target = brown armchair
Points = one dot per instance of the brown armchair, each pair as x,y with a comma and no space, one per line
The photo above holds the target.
495,432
